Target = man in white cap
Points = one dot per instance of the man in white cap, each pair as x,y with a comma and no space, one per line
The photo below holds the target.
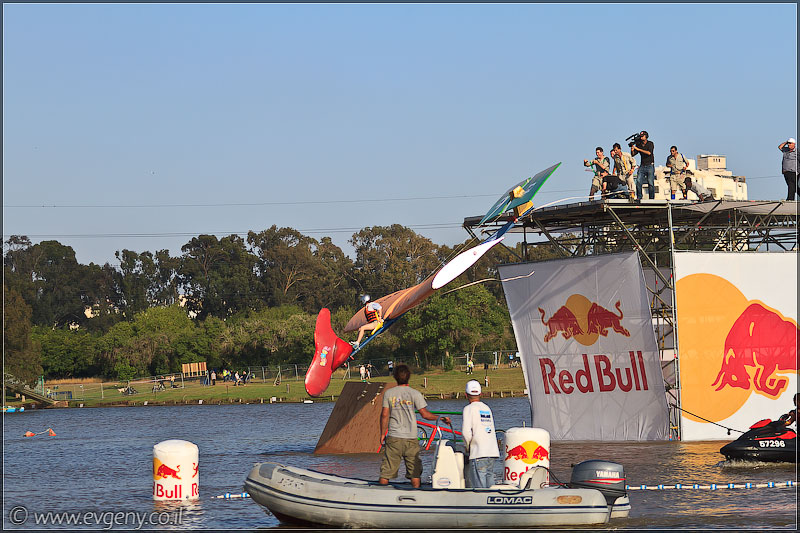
789,167
479,438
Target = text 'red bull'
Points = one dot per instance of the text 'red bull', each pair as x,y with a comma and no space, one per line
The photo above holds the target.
605,376
761,340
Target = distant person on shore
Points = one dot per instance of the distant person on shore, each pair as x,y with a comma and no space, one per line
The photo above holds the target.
647,171
703,194
477,427
399,428
624,165
678,166
599,164
789,167
373,312
213,377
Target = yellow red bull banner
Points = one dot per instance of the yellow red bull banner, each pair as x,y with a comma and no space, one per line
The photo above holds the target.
737,339
588,348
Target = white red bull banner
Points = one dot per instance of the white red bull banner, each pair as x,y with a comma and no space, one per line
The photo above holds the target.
737,339
588,348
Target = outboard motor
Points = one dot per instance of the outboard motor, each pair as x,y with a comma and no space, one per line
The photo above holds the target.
605,476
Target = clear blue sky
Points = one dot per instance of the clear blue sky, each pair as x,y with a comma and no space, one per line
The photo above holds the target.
168,121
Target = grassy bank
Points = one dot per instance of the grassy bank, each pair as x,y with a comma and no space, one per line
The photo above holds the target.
433,384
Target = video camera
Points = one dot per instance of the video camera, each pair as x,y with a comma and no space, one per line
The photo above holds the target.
633,139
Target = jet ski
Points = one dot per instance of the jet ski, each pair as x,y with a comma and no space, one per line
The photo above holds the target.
767,440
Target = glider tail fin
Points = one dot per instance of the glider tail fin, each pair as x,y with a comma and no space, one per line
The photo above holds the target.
330,352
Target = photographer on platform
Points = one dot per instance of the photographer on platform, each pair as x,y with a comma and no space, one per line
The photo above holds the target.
647,168
600,164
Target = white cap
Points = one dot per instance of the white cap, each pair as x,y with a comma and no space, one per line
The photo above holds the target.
791,140
473,387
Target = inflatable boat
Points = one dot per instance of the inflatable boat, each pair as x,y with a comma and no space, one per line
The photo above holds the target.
595,494
767,440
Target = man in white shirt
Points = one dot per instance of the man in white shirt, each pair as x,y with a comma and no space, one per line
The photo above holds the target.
479,438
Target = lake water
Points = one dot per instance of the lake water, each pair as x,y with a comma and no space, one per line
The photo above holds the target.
101,462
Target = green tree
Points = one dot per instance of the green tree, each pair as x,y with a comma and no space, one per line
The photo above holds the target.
51,280
66,353
217,276
287,267
155,342
467,319
391,258
21,357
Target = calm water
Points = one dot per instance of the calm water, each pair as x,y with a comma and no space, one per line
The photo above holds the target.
101,461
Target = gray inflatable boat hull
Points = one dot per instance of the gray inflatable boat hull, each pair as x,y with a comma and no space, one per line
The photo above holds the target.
307,497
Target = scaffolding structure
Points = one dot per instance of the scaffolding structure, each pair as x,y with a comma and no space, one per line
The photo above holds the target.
656,229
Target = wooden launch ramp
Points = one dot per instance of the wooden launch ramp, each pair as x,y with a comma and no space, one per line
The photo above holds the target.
354,424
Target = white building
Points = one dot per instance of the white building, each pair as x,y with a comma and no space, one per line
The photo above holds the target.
710,171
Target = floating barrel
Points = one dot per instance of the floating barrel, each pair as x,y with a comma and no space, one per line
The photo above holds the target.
176,468
525,448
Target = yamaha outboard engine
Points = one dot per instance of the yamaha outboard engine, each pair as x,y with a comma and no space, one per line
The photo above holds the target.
605,476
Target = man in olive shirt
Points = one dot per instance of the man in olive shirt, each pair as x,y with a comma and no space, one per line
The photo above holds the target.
647,169
399,428
598,165
678,165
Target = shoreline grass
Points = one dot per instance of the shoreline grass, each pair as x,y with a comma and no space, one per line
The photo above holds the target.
435,382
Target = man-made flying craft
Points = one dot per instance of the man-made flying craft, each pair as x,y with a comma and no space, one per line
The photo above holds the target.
331,352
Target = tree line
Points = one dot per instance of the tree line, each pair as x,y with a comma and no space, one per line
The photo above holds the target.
236,301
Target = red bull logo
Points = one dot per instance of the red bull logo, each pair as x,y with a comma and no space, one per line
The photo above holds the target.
583,320
731,348
162,471
760,342
528,452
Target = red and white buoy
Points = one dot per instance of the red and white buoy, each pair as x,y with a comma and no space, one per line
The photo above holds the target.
176,468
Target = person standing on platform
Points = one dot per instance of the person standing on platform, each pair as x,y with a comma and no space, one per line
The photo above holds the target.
399,428
624,165
598,165
678,165
647,169
479,438
789,167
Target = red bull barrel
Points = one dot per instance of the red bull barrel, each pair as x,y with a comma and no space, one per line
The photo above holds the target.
176,469
524,448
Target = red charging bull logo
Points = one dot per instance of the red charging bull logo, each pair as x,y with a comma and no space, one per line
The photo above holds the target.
760,343
528,452
583,320
162,471
731,348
